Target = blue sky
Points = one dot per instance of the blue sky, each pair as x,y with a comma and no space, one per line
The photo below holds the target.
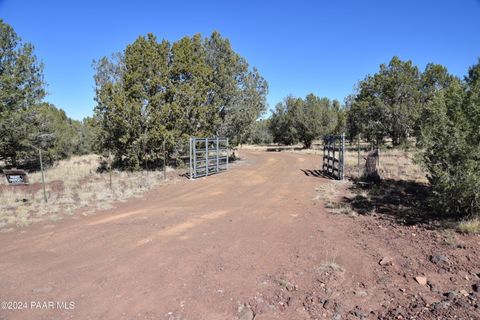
323,47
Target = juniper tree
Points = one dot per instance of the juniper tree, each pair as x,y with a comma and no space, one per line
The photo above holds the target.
21,86
451,140
156,91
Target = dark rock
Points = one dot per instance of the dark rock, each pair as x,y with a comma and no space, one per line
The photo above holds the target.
386,261
476,287
328,304
462,304
450,295
433,286
441,305
359,313
439,259
360,293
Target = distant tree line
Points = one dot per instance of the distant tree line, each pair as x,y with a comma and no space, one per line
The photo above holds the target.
304,120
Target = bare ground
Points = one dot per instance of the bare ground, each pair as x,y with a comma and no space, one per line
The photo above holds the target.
252,242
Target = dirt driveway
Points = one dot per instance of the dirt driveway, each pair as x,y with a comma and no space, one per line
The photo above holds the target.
192,250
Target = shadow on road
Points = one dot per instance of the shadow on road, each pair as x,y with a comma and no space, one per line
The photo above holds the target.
315,173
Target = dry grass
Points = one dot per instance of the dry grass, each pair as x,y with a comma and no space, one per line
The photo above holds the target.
84,191
471,226
330,264
330,194
393,164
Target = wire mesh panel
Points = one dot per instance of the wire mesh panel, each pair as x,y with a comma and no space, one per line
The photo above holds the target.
333,156
208,156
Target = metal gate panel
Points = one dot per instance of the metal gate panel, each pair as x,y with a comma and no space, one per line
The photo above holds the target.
334,156
208,156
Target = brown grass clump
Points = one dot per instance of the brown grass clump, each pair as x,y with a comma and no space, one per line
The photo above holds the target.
73,186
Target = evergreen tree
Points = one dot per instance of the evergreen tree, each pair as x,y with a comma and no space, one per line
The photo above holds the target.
21,86
451,142
157,91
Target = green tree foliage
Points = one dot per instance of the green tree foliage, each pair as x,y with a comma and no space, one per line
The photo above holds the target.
451,139
303,120
89,131
157,91
260,133
340,115
387,104
282,121
25,122
41,126
21,86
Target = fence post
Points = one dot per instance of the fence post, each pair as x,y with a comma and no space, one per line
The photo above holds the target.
333,157
190,156
206,156
43,177
194,142
164,161
358,151
342,157
328,155
226,148
110,168
218,159
323,160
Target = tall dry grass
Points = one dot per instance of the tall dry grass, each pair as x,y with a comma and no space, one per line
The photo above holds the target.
73,186
395,164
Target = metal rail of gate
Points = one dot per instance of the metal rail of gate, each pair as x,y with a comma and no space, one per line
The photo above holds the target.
333,156
208,156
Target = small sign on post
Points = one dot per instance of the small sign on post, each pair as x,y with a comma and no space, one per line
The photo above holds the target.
16,177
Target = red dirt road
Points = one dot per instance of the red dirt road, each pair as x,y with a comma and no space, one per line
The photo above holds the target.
194,250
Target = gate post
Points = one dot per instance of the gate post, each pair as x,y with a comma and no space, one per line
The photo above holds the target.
206,157
194,142
325,151
218,157
333,157
226,148
342,156
190,158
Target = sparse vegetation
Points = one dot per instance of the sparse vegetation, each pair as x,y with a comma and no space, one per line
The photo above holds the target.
73,186
471,226
330,264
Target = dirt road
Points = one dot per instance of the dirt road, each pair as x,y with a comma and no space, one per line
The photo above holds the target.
192,250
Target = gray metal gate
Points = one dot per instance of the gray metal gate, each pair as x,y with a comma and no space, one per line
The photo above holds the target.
208,156
333,156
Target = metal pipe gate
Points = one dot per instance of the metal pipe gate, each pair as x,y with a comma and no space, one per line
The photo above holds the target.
208,156
334,165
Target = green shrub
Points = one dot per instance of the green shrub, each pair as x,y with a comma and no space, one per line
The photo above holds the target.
451,140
